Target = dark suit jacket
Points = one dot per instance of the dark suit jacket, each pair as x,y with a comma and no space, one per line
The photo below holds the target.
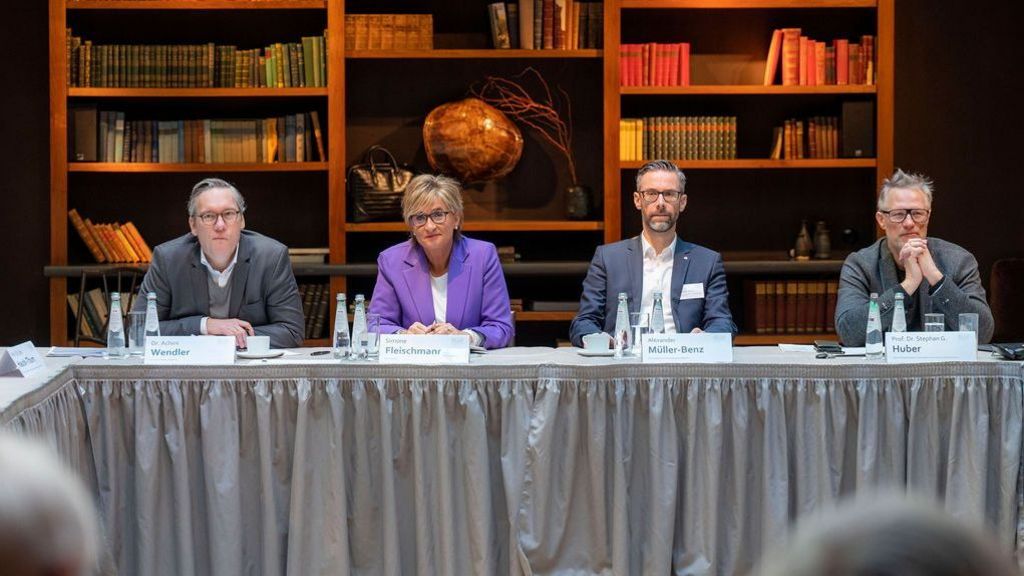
873,269
263,289
619,267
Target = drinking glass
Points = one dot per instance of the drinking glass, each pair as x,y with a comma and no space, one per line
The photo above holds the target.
638,326
372,334
136,333
934,323
969,322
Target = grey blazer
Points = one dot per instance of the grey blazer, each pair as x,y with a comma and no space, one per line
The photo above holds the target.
873,269
263,289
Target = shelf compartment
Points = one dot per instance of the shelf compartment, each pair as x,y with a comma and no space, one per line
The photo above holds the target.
764,164
747,4
196,92
470,53
197,4
490,226
155,167
746,90
534,316
772,339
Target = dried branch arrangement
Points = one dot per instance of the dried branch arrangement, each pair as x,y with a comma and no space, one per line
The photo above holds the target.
513,97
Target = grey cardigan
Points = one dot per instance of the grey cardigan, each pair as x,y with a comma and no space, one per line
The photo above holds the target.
873,269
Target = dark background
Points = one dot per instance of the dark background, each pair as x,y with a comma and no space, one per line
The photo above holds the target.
956,120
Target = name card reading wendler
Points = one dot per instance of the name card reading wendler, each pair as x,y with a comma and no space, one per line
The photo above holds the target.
667,348
909,347
424,349
190,350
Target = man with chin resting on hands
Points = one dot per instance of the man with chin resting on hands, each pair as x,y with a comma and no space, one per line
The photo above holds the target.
223,280
934,276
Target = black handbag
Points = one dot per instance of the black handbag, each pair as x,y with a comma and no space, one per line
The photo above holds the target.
376,186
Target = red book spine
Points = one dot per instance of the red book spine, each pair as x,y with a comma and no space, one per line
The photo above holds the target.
842,62
812,63
790,56
684,64
673,78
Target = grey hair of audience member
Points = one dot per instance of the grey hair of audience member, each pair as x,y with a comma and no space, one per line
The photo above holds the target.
907,181
212,184
48,525
888,536
661,166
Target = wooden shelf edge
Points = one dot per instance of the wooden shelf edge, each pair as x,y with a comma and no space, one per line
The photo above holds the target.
551,316
470,53
197,4
489,226
155,167
747,4
770,339
196,92
763,164
746,89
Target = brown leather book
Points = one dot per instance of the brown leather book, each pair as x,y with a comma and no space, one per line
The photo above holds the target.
801,307
146,253
101,242
86,234
791,306
830,309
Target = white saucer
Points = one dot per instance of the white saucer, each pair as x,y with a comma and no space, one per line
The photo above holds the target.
585,352
259,355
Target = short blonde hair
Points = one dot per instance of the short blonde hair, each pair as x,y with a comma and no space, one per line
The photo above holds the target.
426,188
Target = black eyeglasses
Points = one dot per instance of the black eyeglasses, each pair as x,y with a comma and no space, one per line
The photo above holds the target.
651,196
210,218
420,218
918,215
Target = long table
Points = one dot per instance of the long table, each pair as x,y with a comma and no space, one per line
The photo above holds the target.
528,461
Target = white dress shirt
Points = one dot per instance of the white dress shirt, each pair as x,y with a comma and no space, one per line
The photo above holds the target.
658,278
439,294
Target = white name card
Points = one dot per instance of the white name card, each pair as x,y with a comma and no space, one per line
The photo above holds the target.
908,347
21,360
190,350
704,347
424,349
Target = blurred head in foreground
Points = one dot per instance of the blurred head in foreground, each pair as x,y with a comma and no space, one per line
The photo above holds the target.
888,536
48,525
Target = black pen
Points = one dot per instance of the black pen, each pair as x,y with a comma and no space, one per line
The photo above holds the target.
319,352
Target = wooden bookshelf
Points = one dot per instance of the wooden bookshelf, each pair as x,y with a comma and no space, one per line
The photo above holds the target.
396,88
772,339
480,54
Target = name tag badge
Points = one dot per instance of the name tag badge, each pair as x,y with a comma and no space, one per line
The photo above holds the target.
424,349
911,347
692,291
190,350
676,348
21,360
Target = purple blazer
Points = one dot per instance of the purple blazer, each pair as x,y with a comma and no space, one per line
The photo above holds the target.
477,294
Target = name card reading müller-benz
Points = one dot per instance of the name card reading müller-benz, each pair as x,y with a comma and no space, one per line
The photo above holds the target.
930,346
424,349
190,350
705,347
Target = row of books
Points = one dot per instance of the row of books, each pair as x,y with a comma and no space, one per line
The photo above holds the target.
678,138
113,242
654,64
280,65
791,306
546,24
316,300
389,32
804,61
820,139
95,311
289,138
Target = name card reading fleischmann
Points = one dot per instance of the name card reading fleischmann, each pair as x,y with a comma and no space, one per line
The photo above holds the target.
22,360
424,349
909,347
190,350
669,348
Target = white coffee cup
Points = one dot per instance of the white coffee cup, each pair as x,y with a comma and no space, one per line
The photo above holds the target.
597,341
257,344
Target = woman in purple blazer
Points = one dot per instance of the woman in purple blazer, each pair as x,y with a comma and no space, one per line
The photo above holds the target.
439,281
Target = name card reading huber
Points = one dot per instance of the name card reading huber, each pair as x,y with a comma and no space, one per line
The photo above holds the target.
424,349
22,359
908,347
190,350
668,348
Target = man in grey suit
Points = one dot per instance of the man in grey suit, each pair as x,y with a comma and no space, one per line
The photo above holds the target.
691,278
933,275
221,279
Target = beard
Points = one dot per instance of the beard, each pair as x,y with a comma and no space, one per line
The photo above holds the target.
661,225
